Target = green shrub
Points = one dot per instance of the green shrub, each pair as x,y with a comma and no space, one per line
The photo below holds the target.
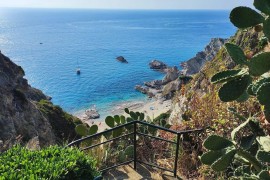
50,163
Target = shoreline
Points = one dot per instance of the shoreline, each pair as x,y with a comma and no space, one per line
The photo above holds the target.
151,108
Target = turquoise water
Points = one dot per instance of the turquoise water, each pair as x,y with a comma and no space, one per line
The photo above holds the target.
48,43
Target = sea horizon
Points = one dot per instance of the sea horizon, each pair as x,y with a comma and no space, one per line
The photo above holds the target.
50,45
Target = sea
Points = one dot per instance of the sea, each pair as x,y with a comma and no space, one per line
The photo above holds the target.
50,44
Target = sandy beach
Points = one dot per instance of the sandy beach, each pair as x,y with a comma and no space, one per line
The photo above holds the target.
151,108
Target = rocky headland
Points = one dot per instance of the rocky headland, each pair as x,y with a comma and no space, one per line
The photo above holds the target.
165,89
158,65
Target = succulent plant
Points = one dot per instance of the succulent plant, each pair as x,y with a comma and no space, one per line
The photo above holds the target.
85,130
222,151
251,151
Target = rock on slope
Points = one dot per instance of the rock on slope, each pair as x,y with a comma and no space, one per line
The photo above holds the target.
22,116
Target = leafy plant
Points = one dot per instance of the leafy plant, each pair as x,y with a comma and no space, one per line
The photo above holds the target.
248,153
50,163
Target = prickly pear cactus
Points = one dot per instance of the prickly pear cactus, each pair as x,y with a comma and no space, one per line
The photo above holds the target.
81,129
110,121
236,53
233,89
225,76
252,151
244,17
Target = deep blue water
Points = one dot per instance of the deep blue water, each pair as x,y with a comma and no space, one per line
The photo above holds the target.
94,38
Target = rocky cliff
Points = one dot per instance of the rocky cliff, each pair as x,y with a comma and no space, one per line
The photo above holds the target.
26,113
194,65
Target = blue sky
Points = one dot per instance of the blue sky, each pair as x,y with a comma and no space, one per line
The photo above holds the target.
128,4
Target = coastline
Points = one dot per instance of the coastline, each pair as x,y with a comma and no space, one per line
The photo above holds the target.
151,108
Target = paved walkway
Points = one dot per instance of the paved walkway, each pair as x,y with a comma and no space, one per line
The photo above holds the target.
143,172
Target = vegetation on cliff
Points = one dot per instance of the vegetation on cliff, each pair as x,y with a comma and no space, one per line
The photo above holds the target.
243,156
63,124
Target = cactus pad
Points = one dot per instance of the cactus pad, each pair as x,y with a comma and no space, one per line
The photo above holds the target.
250,90
122,156
133,115
129,151
233,89
126,110
236,53
259,64
225,76
264,175
244,97
262,5
263,94
117,132
222,163
264,141
81,129
109,121
255,87
123,119
267,113
266,28
263,156
141,116
117,119
215,142
93,130
244,17
210,157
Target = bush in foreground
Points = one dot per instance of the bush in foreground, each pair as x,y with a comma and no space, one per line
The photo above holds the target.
50,163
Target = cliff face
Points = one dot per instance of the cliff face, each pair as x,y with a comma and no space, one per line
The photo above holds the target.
194,65
200,88
21,118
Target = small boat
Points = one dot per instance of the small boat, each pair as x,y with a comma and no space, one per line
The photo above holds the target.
78,71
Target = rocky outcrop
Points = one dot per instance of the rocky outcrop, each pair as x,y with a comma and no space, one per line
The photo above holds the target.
164,88
155,84
169,89
145,90
158,65
92,113
121,59
194,65
20,116
171,75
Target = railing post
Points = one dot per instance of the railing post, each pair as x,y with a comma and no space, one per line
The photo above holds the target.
176,155
135,145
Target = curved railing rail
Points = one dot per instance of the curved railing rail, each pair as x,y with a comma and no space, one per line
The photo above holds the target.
135,133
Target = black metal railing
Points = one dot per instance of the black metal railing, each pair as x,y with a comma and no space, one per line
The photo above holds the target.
135,133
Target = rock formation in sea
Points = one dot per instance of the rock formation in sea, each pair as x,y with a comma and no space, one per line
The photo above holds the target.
157,65
121,59
169,84
26,113
92,113
194,65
